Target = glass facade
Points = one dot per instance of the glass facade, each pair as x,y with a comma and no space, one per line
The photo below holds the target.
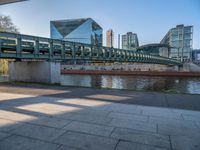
155,49
130,41
77,30
180,39
196,55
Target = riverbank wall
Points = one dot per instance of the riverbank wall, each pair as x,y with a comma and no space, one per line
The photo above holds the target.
122,67
187,70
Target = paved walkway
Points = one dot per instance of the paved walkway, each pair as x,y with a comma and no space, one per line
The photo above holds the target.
39,118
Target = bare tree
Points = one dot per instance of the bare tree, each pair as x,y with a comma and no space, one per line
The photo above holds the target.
6,25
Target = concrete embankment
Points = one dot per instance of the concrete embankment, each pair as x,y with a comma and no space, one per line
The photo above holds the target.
187,70
123,67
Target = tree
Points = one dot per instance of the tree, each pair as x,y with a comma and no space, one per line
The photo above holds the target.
6,25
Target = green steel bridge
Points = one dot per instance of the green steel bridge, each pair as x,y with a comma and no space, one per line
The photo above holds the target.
19,46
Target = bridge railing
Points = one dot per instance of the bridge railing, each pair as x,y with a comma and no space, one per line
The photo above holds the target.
19,46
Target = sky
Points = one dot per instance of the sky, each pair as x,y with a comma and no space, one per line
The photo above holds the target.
150,19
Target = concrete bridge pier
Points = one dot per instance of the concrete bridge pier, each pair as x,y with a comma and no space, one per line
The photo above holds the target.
34,71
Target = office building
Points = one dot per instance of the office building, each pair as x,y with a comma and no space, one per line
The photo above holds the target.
84,30
109,38
130,41
180,39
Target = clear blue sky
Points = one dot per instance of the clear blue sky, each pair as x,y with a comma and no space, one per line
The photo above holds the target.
150,19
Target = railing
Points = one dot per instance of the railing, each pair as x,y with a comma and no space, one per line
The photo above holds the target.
18,46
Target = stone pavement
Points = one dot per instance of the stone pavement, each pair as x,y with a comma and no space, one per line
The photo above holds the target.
35,121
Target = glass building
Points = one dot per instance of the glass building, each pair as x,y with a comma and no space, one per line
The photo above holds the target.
155,49
181,41
84,30
130,41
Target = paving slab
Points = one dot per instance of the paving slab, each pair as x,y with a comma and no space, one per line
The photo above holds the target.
49,107
136,125
98,113
141,137
86,141
167,129
78,118
183,101
5,114
185,112
8,125
185,143
108,97
68,148
123,108
172,122
154,109
51,122
164,114
88,103
198,124
89,128
38,132
89,118
3,135
135,146
192,117
15,142
128,116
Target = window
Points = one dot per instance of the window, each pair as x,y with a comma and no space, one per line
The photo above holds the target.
188,29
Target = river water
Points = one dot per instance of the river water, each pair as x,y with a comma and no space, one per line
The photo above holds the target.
139,83
3,78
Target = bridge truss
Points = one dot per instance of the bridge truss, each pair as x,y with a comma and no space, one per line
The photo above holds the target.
19,46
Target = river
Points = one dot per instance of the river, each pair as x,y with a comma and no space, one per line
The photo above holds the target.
139,83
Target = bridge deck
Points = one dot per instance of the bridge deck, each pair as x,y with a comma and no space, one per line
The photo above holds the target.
18,46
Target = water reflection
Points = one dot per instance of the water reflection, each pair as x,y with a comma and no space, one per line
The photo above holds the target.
174,84
3,78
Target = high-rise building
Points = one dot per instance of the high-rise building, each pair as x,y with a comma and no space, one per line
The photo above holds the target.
130,41
119,38
84,30
109,38
180,39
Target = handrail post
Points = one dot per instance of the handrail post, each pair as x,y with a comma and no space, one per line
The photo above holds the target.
51,49
63,50
37,48
19,46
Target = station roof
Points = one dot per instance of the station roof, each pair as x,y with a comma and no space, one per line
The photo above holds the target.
153,45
